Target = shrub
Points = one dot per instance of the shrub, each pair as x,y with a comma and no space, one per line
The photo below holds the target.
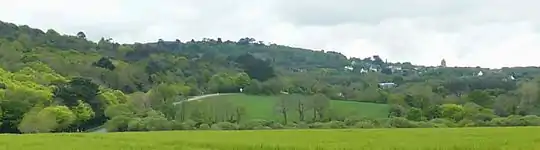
262,128
303,125
382,122
276,125
466,123
351,121
290,126
336,125
532,120
254,124
364,125
400,122
136,125
423,124
225,126
319,125
441,122
204,127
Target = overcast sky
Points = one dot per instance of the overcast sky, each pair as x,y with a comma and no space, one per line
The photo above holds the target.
487,33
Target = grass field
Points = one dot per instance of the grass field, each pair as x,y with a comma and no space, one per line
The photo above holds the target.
523,138
262,107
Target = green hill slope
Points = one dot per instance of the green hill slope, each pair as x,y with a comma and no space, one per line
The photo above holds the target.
264,107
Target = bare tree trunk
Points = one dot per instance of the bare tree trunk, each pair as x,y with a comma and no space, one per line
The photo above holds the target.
321,114
183,112
284,113
314,114
238,115
301,111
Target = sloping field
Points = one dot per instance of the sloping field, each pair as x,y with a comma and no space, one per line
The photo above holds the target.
523,138
263,107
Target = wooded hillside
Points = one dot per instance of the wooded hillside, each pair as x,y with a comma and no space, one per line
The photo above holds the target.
53,82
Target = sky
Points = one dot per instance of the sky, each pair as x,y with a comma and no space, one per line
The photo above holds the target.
487,33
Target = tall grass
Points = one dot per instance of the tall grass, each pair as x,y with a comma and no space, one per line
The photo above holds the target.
523,138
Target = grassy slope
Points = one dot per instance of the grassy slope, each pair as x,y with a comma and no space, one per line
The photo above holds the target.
262,107
374,139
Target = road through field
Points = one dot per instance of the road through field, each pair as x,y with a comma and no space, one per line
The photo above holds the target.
103,130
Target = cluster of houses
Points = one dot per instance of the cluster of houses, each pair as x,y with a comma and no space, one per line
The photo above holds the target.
365,67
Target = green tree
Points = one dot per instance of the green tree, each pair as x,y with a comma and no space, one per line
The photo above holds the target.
452,111
284,104
320,104
119,110
79,89
415,114
83,112
36,122
163,96
506,105
481,98
64,116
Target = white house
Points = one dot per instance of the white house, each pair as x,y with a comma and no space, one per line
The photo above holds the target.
480,73
387,85
363,70
373,69
348,68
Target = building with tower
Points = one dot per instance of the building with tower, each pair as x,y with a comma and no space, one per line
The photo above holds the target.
443,63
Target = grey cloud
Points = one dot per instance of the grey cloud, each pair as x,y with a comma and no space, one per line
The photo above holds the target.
327,13
319,12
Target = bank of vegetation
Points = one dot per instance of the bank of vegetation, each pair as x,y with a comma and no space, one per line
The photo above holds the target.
51,82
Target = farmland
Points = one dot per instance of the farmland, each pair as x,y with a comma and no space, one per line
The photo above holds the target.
262,107
373,139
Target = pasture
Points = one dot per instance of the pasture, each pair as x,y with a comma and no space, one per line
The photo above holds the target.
263,107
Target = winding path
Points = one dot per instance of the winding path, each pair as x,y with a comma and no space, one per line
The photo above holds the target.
103,130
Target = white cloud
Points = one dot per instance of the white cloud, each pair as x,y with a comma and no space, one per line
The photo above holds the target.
488,33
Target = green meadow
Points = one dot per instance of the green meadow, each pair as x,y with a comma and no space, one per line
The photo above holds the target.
263,107
522,138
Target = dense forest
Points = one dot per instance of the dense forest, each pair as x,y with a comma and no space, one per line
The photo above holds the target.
51,82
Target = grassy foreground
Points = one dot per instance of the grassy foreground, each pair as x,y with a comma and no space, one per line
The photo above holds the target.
263,107
525,138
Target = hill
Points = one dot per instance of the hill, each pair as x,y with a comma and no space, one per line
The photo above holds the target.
134,86
267,107
384,139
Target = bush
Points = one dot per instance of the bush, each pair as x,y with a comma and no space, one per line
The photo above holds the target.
382,122
400,122
276,125
215,127
262,128
335,125
290,126
225,126
532,120
466,123
136,125
186,125
254,124
515,120
364,125
204,127
351,121
441,122
318,125
423,124
303,125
